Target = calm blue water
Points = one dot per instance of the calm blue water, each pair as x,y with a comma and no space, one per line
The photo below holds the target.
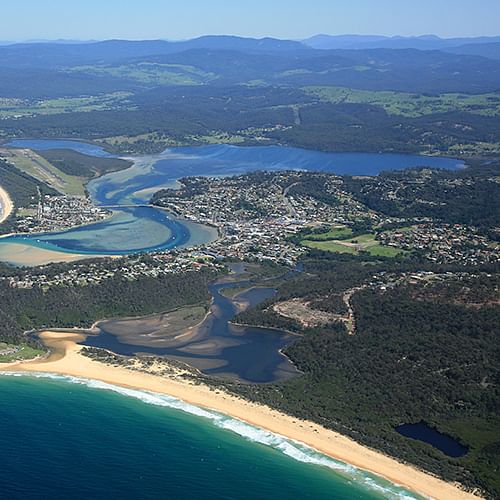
68,438
247,353
78,146
129,230
422,432
132,230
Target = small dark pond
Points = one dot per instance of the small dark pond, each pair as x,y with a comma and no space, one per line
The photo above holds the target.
423,432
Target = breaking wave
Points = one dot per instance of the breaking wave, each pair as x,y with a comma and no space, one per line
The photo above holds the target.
293,449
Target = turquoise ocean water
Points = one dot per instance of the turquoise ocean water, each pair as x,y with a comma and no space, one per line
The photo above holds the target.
70,438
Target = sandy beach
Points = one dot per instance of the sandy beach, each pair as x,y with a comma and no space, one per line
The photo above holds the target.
65,359
6,204
27,255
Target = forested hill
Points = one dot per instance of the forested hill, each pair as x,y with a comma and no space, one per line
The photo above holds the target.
144,96
421,351
228,60
80,306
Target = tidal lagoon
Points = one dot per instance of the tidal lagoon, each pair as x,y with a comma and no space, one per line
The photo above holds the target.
215,346
136,227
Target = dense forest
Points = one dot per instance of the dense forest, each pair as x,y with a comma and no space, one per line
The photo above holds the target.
412,358
22,310
468,196
74,163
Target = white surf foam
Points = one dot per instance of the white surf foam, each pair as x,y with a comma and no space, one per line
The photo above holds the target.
293,449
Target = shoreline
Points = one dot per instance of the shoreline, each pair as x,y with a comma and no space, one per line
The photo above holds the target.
65,359
23,255
31,255
6,205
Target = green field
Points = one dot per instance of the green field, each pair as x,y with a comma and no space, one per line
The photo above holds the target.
232,292
24,352
335,233
475,148
151,73
216,137
362,243
39,168
411,105
184,318
16,108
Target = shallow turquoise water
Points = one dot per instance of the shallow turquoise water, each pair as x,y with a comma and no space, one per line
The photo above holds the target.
140,229
129,230
69,438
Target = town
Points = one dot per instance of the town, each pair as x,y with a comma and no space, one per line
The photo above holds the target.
444,243
257,213
260,217
57,213
94,272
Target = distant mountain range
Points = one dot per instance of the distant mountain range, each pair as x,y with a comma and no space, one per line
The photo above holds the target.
425,42
57,54
418,64
484,46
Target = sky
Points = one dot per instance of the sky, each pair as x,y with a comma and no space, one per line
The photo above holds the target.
293,19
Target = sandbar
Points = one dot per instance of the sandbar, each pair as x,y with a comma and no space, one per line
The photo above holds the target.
19,254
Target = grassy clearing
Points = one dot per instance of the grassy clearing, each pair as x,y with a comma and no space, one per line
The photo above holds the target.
173,324
232,292
412,105
216,137
475,148
184,318
22,351
33,164
152,142
330,246
26,212
335,233
362,243
118,140
16,108
151,73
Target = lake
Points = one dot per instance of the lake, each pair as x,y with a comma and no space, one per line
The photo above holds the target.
135,228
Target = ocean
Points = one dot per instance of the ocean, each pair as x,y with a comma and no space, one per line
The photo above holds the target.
63,437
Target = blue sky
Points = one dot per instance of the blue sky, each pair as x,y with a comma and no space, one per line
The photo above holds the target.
180,19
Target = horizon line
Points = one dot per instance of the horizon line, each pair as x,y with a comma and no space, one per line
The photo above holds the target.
175,40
